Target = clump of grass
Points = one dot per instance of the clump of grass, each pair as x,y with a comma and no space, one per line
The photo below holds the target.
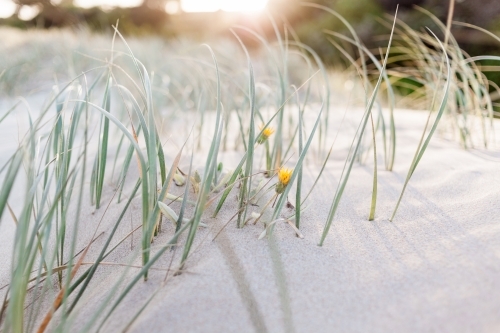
470,101
135,109
353,152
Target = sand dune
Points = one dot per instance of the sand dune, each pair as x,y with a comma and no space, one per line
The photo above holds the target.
435,268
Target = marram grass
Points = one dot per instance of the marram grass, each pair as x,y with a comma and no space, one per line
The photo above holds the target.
148,129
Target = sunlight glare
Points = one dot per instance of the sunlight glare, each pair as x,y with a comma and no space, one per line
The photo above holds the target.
28,12
110,3
7,8
172,7
225,5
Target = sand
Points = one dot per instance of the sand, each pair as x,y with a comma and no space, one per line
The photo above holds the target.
435,268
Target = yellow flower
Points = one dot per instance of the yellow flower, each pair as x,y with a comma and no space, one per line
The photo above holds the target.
284,175
266,133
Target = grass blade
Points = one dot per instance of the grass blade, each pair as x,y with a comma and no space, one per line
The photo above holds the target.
349,162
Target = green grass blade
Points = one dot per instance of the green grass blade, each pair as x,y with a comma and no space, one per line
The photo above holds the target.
373,205
423,146
209,171
349,162
283,197
246,186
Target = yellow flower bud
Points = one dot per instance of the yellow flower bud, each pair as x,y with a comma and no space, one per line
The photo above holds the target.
284,175
266,133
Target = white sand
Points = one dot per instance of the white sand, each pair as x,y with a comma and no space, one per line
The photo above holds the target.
436,268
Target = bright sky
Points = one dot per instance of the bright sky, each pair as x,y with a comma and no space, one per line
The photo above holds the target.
227,5
7,7
114,3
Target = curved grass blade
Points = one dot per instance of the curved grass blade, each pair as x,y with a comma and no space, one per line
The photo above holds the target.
283,197
353,152
246,186
210,167
423,144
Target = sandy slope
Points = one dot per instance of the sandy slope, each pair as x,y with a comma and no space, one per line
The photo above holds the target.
436,268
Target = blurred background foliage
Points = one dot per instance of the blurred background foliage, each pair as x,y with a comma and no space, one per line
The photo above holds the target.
366,16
